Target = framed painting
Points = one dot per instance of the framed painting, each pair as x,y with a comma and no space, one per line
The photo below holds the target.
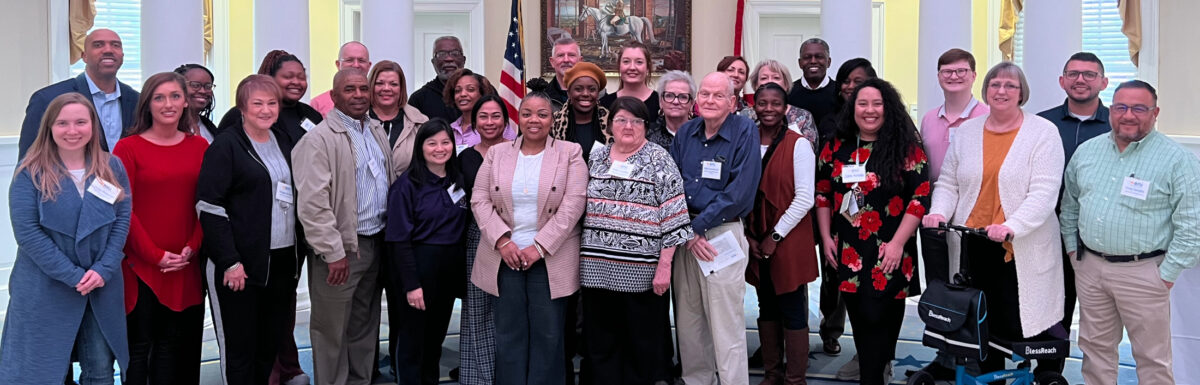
602,26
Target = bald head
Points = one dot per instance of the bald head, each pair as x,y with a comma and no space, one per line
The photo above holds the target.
354,55
350,93
716,95
103,54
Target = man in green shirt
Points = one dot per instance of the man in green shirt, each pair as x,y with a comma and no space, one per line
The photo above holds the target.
1131,223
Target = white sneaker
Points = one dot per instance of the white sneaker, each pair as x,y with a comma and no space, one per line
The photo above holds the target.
849,371
887,373
301,379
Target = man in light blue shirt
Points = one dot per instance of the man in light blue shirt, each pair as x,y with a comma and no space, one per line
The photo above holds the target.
114,100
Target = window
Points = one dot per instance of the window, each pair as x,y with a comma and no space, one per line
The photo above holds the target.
125,18
1102,36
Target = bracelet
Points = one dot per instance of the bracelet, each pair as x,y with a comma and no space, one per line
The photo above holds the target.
235,266
504,244
541,253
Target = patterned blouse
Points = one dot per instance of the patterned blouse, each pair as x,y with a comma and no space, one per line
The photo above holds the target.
629,221
884,206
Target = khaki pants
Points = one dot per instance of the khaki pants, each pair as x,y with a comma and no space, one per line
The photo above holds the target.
710,319
344,324
1126,295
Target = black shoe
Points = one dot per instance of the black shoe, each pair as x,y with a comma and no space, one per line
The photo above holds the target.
756,359
454,374
939,372
832,347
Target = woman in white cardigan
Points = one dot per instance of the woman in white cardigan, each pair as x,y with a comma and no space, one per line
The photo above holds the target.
1002,173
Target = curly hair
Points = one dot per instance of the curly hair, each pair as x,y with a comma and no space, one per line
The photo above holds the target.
897,138
183,70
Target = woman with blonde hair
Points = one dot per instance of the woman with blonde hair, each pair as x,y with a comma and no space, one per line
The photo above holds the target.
798,119
70,215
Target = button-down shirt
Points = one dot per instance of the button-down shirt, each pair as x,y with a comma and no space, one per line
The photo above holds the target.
1095,211
1074,131
108,106
937,134
735,147
370,177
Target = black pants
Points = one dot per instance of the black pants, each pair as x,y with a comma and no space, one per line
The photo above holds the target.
1056,365
790,309
248,322
164,345
572,340
832,305
876,322
998,281
417,349
623,334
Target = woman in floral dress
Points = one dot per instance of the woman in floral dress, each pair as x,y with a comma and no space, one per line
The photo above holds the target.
872,190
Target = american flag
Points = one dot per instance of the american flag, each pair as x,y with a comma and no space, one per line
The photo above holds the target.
512,79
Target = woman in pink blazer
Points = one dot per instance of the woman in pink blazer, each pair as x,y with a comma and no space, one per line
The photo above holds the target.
528,198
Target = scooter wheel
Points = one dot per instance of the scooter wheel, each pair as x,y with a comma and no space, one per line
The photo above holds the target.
1050,378
921,377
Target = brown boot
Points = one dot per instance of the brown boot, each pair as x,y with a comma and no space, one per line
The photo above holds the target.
770,334
797,356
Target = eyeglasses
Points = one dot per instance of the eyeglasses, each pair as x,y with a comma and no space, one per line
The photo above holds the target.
1138,110
442,55
1087,75
1006,86
199,86
671,97
946,73
711,96
627,122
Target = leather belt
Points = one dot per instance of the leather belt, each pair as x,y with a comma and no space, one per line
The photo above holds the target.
1122,258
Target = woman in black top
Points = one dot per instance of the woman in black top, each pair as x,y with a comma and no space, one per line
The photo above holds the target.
200,99
426,218
252,240
288,72
581,120
634,68
477,331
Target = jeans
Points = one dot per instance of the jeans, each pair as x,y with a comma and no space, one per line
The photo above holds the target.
95,357
789,308
529,333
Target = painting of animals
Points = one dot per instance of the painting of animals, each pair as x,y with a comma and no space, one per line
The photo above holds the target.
601,27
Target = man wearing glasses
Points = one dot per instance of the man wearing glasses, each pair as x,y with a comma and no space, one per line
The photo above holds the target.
447,58
1131,224
351,55
1080,118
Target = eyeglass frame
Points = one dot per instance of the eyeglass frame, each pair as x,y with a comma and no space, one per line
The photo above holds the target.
442,55
1121,109
670,97
199,85
1087,75
947,72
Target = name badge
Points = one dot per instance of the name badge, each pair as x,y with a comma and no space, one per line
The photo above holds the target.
621,170
307,125
283,193
854,173
850,206
376,169
1135,188
105,191
710,170
458,149
456,194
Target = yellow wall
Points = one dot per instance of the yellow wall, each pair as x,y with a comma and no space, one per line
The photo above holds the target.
981,29
900,30
1178,79
324,39
241,47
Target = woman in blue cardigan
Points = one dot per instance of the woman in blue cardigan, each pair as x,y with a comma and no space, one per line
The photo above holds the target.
70,216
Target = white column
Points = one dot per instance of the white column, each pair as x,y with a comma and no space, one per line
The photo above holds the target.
172,34
846,26
386,42
945,24
1053,31
282,24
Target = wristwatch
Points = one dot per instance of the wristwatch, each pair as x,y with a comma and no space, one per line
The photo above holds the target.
776,237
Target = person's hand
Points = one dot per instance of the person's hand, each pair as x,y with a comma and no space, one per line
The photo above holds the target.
91,281
235,278
829,247
767,246
510,253
416,299
171,262
662,278
187,252
999,233
1169,284
890,253
700,248
754,250
338,272
529,256
933,220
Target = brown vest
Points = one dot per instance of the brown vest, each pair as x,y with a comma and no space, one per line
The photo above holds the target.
795,260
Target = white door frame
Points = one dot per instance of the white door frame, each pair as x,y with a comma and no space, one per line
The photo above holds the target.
756,9
473,9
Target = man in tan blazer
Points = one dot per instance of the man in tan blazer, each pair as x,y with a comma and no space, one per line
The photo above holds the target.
342,176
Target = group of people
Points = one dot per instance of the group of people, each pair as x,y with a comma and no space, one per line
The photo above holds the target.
575,231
